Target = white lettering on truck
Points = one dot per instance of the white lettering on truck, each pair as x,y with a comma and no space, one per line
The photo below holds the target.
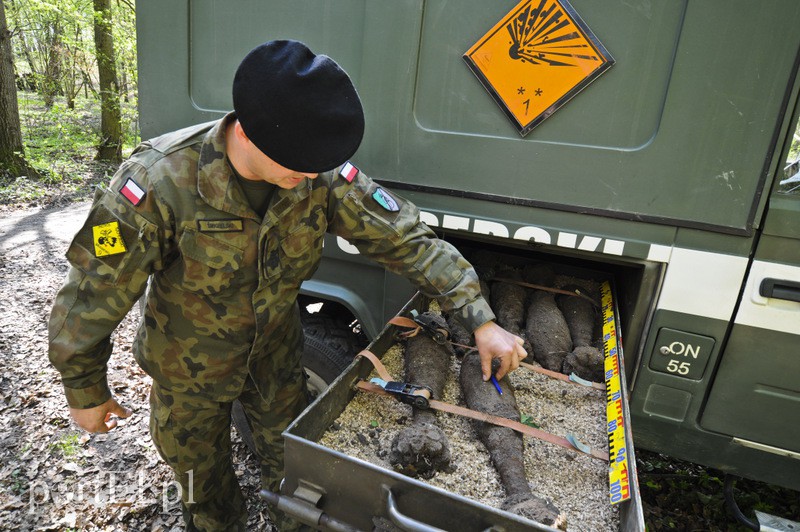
526,233
699,283
680,348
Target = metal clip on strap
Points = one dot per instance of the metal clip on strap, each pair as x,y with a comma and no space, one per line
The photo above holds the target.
412,394
429,326
420,323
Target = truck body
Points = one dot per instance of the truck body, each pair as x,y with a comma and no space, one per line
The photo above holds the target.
665,172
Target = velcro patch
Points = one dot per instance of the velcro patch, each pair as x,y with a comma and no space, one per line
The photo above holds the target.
107,239
385,200
133,192
348,172
219,226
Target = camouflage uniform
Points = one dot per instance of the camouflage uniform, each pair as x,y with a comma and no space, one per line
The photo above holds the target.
221,319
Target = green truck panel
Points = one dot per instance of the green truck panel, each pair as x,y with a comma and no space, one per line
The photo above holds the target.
663,172
638,147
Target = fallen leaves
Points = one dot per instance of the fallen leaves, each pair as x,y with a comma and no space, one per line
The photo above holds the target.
53,476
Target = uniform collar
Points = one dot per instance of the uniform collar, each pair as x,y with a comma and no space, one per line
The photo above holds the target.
217,185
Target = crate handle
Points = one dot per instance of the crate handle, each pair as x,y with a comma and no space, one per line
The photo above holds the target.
402,521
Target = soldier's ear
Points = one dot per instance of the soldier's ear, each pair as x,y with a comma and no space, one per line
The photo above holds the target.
238,131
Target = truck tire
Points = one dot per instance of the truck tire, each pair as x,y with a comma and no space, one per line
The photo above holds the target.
330,345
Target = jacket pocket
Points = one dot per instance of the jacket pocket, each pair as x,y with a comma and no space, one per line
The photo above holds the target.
298,253
208,265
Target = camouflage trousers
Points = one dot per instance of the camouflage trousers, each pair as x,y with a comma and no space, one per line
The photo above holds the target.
193,435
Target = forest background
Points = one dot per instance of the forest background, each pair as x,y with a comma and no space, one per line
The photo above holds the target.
62,61
68,116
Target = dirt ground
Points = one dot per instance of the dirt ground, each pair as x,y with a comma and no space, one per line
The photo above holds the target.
54,476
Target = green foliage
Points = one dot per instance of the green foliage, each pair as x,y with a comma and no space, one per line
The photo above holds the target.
55,60
680,495
60,143
794,150
525,419
56,140
53,43
68,445
18,483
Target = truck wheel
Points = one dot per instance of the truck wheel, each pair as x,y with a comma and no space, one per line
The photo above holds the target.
330,345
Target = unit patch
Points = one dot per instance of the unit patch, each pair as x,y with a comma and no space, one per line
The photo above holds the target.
107,239
385,200
348,172
219,226
132,191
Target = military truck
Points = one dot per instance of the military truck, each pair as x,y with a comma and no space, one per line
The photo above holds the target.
649,139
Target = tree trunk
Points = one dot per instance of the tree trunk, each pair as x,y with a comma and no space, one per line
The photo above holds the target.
88,85
11,150
51,84
110,148
70,84
32,82
124,88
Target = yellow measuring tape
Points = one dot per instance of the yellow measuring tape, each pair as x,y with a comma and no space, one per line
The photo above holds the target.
618,477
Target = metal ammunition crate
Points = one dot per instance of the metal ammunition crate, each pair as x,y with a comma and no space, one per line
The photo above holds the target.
325,485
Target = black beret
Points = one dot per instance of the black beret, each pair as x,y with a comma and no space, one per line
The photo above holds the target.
299,108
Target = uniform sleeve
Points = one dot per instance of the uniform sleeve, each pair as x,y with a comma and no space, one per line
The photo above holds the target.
110,260
387,228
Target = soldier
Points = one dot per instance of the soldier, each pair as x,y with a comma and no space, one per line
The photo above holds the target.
226,219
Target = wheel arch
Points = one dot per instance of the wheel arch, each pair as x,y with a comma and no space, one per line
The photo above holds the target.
370,320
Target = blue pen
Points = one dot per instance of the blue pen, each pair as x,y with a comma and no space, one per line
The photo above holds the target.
497,385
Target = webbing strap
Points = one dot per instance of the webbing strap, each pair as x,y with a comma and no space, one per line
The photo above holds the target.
473,414
577,293
376,362
404,322
401,321
558,376
415,328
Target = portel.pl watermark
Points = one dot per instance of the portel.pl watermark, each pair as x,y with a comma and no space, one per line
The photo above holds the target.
109,488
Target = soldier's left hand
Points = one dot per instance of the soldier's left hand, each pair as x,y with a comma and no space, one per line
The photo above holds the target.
99,418
493,342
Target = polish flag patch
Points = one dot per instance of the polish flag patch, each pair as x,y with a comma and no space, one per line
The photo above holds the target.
132,191
348,172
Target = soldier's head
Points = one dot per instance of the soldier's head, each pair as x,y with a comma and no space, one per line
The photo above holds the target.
298,108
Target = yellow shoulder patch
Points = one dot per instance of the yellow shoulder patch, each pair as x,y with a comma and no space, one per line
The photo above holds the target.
108,239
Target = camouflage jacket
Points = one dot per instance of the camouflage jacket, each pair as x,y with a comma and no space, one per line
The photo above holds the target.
222,300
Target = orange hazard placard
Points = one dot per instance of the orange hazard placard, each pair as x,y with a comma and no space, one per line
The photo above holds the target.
536,58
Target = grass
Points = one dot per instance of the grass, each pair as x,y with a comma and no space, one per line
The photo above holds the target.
60,144
18,483
67,445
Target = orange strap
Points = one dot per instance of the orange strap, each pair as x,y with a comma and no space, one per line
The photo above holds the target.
401,321
472,414
379,367
548,289
405,322
415,327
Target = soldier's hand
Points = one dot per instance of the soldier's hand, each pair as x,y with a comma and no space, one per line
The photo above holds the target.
493,342
99,418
